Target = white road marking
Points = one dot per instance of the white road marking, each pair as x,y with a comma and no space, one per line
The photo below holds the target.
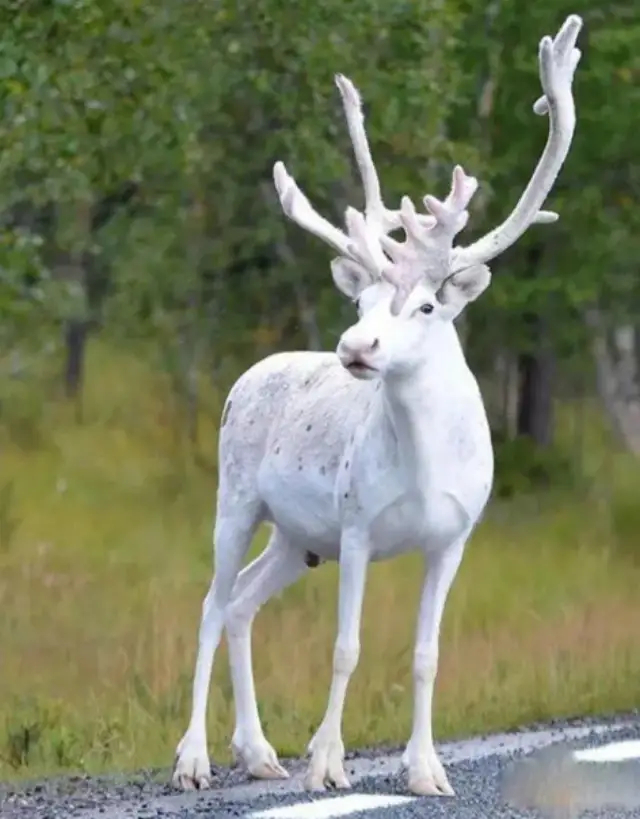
332,807
612,752
527,741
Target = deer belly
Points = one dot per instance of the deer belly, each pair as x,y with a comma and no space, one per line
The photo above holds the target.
303,510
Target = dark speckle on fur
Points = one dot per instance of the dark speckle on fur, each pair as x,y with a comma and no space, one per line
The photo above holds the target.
312,560
225,414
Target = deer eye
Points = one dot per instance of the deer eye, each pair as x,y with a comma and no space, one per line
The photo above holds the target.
426,308
356,303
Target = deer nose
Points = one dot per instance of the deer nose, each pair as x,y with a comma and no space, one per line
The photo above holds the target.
359,346
354,348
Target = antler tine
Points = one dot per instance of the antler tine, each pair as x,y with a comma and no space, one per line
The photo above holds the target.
558,59
378,218
361,242
360,245
298,208
452,214
430,236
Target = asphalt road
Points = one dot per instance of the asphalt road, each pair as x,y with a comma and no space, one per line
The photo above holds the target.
496,776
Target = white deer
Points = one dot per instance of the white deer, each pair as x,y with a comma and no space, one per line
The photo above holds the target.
365,454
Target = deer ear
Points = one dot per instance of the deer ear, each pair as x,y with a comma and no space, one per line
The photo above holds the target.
464,286
350,277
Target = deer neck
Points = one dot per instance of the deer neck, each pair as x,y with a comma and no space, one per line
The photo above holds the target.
420,405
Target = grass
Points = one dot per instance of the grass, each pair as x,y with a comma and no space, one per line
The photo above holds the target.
105,532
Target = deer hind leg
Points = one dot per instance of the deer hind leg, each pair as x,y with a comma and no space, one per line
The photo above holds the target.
277,567
232,538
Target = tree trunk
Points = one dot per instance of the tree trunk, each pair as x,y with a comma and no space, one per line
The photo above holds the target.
307,315
73,244
190,334
506,376
618,377
535,403
75,336
536,369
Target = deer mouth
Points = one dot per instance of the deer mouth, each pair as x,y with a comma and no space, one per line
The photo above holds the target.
360,369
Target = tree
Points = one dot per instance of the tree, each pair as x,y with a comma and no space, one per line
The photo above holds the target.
92,95
542,287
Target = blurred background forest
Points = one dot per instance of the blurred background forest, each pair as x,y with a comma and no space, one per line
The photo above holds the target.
145,262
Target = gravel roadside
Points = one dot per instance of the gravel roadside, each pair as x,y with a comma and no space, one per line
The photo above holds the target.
476,765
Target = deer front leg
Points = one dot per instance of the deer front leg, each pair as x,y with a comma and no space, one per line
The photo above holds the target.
426,773
326,767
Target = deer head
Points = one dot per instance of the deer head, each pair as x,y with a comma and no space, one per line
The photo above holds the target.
405,289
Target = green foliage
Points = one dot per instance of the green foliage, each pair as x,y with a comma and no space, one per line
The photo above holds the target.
191,105
37,733
590,254
522,467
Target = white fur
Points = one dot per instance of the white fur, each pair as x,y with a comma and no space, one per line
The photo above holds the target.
377,449
351,470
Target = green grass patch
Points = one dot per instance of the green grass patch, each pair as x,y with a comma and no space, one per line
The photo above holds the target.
105,553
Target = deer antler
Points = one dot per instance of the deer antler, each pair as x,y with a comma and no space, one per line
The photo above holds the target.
429,238
428,248
378,218
558,61
361,242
